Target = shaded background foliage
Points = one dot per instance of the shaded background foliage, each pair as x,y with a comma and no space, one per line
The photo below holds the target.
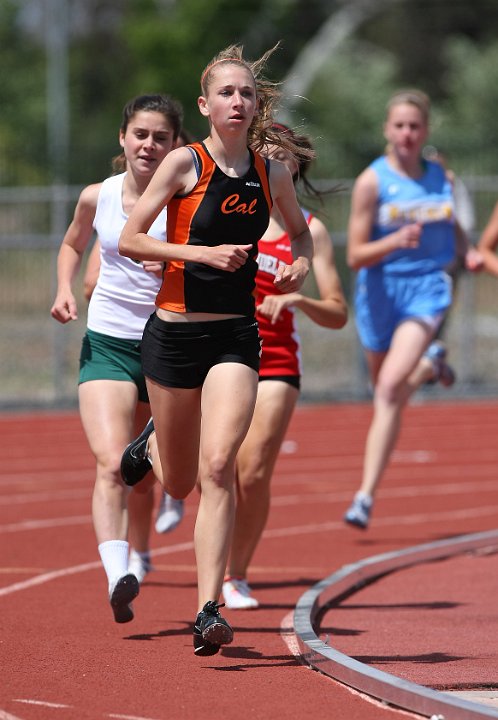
119,48
338,63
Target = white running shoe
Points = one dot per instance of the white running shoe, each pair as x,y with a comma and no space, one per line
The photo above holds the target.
237,595
359,511
169,514
138,565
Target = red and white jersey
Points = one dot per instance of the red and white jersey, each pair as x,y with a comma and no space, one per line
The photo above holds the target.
281,353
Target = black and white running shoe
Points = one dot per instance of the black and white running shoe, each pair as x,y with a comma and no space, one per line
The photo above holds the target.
211,630
121,593
134,462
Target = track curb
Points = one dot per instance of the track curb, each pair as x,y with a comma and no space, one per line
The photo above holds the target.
381,685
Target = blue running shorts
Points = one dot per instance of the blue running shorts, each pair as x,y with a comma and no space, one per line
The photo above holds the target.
383,301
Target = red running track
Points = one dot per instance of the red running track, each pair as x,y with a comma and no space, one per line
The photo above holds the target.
63,657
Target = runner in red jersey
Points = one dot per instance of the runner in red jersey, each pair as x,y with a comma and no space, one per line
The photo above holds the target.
280,371
281,351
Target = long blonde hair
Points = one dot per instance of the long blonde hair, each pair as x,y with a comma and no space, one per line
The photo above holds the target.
260,133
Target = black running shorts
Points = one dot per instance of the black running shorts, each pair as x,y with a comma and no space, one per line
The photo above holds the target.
180,354
293,380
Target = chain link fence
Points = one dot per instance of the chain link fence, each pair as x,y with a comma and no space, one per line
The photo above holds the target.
39,366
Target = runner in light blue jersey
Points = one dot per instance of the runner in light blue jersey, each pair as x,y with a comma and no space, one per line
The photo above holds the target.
402,235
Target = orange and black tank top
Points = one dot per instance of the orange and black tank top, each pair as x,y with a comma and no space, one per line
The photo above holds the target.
220,210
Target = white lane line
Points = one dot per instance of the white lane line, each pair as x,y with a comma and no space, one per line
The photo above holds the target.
128,717
415,456
411,491
63,572
43,703
312,528
47,577
415,519
47,523
349,474
289,636
30,497
41,475
453,489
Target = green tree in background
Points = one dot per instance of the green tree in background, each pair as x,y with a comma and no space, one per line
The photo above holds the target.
22,120
120,48
470,111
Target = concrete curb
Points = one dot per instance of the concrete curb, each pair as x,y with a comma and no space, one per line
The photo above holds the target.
362,677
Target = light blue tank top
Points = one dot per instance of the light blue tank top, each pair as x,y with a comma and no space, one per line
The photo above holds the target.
428,200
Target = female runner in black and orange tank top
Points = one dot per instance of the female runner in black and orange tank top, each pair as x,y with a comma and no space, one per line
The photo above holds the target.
220,208
201,347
